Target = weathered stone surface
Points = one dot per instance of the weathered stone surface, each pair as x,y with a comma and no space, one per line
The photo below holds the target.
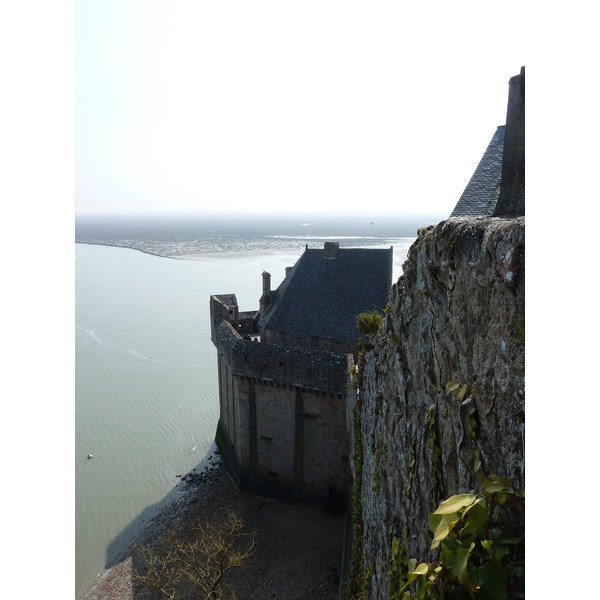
453,316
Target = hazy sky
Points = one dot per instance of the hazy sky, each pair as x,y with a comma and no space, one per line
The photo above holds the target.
190,106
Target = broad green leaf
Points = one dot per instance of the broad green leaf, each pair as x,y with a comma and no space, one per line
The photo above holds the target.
462,559
502,479
474,517
395,547
520,493
489,581
460,394
501,551
467,400
421,569
443,529
412,563
491,487
505,538
500,498
434,521
513,502
421,587
411,578
451,386
477,464
488,546
455,503
431,442
448,556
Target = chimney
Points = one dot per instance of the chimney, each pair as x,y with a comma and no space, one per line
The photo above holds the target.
511,201
265,300
330,249
266,287
287,270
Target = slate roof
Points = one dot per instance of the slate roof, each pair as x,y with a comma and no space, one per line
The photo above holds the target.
228,299
323,296
481,194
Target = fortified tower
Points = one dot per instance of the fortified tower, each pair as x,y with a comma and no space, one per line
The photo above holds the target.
283,373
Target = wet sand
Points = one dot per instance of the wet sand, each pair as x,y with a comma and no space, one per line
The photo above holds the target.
297,550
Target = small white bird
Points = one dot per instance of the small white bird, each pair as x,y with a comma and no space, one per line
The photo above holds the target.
193,449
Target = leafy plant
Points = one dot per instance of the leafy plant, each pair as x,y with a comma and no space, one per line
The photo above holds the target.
369,323
436,454
477,559
355,585
458,391
521,328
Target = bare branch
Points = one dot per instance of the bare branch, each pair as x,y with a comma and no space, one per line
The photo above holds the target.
201,561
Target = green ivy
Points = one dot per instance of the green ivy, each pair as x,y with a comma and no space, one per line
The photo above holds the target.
520,325
354,588
377,472
477,558
436,457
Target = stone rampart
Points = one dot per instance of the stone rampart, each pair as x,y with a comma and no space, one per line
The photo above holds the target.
303,367
457,314
282,426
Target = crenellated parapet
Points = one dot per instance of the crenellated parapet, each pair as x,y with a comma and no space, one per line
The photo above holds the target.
317,370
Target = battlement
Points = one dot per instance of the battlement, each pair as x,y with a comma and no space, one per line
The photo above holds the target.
317,370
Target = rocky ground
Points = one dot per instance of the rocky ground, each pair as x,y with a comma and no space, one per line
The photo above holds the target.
297,551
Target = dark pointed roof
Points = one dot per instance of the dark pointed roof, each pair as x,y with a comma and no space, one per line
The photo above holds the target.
482,191
323,296
228,300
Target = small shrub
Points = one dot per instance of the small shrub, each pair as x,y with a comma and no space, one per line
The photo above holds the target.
369,323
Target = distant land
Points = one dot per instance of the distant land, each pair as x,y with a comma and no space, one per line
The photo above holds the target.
190,236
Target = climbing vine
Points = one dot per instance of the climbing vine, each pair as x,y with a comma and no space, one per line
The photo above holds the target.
477,558
355,586
520,326
376,470
436,455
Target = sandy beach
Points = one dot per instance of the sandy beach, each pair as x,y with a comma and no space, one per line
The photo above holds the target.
297,550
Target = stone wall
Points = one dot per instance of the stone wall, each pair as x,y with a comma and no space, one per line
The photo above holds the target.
298,340
456,314
313,369
282,426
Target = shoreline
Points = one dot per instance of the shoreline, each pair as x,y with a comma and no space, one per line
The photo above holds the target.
196,256
169,510
291,541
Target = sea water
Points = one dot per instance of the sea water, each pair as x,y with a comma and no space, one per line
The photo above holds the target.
146,374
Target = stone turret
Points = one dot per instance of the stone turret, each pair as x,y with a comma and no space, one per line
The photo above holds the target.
511,201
